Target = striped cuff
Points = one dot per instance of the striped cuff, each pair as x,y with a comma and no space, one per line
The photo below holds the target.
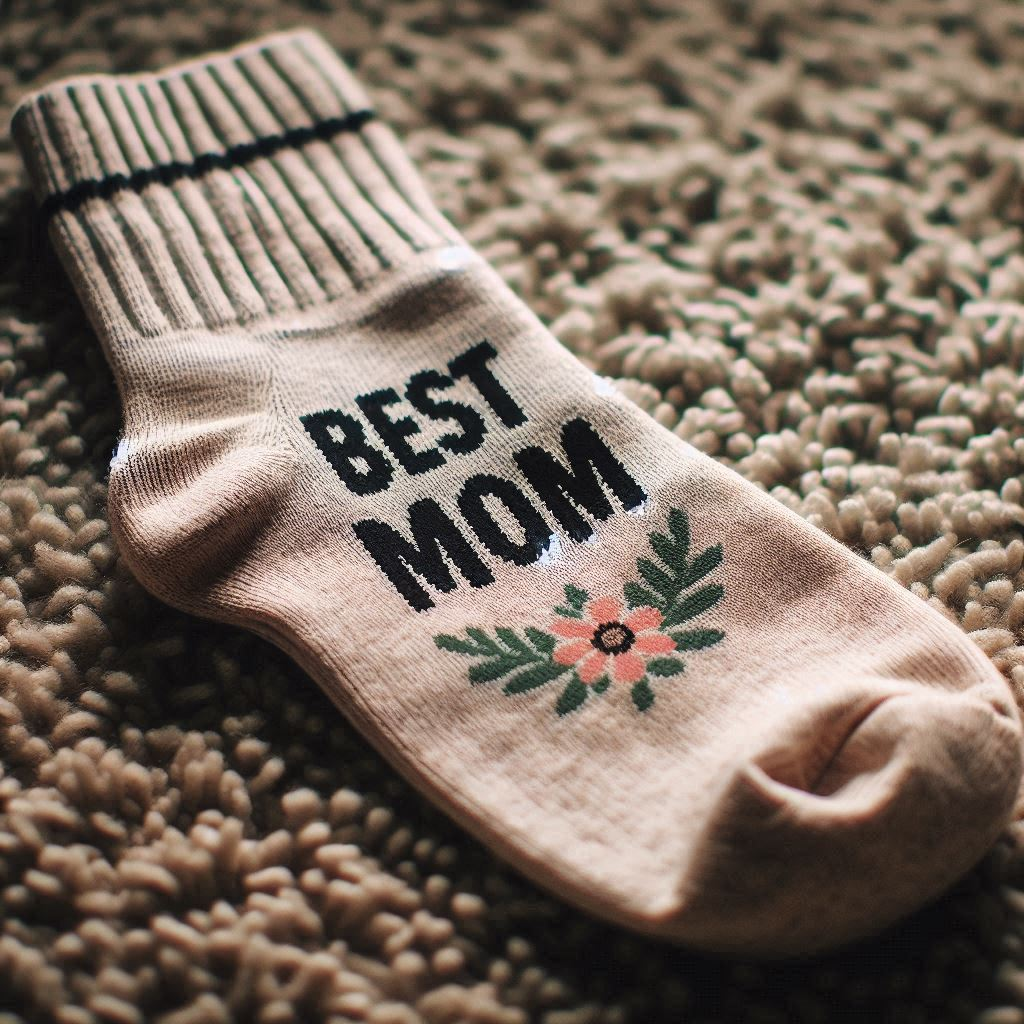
244,183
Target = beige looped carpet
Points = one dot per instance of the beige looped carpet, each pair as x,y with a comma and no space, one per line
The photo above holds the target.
793,231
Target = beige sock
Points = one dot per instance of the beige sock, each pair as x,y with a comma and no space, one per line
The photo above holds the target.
646,684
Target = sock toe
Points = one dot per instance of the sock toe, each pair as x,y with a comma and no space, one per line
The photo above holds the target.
851,818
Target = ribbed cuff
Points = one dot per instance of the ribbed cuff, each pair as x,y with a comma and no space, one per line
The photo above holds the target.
244,183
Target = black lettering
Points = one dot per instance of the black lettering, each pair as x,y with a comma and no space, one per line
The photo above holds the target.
395,433
345,456
536,533
403,561
473,364
472,423
567,490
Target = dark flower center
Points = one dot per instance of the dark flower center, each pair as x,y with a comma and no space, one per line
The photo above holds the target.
613,638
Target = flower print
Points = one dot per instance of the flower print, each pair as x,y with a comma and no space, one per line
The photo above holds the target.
635,640
610,641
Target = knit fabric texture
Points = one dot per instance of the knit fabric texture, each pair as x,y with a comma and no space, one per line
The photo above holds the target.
151,318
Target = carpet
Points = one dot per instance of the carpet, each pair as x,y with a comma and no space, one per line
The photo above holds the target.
791,231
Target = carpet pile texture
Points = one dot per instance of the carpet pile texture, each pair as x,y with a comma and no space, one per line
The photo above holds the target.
791,231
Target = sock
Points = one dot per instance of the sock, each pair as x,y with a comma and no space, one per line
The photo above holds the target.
640,680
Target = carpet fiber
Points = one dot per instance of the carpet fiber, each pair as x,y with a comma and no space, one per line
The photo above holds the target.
792,231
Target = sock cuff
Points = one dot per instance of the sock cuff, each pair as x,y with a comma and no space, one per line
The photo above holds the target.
248,182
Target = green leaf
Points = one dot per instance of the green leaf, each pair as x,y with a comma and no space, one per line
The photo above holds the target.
666,550
707,561
679,527
483,640
697,639
601,685
665,666
694,604
513,642
574,694
636,597
660,580
535,676
642,695
544,642
576,597
487,671
568,613
447,642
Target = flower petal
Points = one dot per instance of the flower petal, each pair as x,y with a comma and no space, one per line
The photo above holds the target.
654,643
605,609
643,618
569,654
627,668
592,667
572,628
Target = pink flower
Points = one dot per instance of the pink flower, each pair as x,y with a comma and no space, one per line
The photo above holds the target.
606,641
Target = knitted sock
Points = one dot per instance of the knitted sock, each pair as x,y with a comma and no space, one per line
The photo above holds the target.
639,679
